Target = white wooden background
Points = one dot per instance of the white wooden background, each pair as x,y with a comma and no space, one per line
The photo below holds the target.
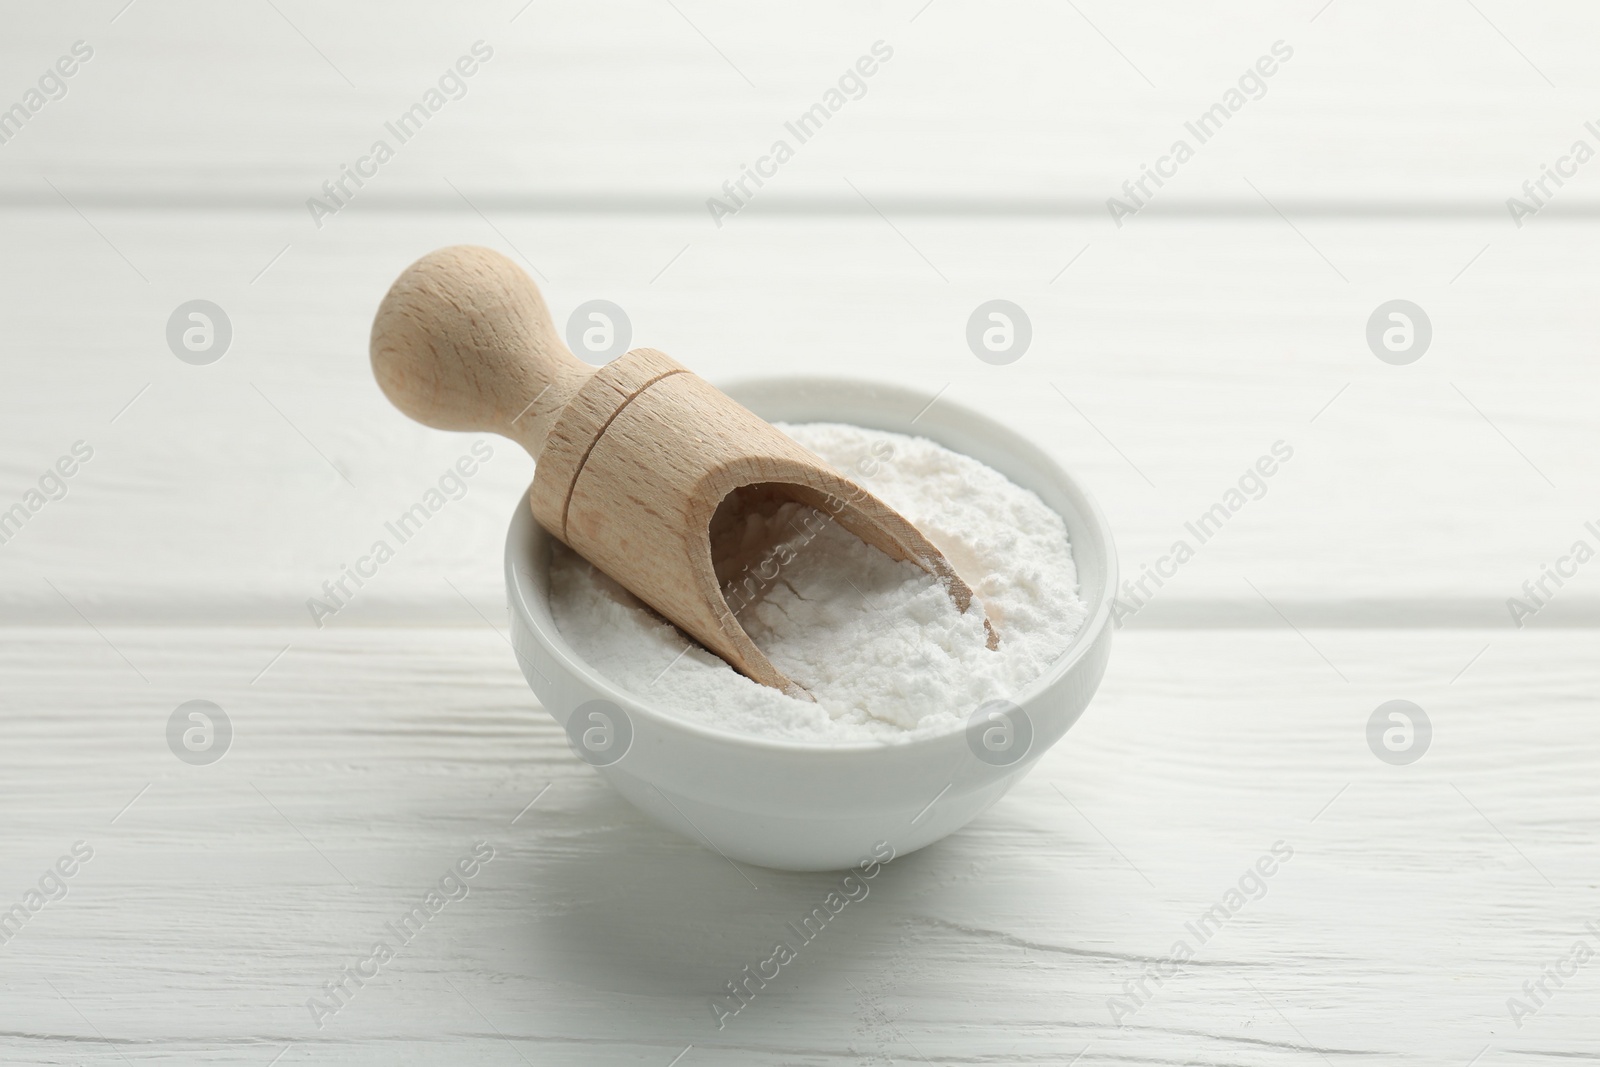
1168,355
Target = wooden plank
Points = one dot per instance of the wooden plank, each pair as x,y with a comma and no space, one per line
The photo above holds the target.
1430,107
365,761
1166,362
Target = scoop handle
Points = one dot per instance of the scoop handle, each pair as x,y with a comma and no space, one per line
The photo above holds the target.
464,341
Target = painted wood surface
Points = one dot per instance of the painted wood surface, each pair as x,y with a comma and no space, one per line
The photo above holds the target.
1436,106
366,762
1422,494
1169,354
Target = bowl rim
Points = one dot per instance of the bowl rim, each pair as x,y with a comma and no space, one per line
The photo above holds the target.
524,528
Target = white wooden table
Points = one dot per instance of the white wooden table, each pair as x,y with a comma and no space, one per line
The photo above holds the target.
370,755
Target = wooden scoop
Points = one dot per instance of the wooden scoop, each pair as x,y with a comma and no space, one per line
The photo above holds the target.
632,458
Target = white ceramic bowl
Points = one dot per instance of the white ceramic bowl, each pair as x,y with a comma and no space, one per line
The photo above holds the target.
820,806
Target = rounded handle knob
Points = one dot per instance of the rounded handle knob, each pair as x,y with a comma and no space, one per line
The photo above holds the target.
463,341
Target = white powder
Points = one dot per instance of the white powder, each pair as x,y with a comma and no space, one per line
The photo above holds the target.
878,643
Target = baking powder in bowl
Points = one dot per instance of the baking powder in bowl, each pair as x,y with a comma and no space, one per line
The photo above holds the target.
878,643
